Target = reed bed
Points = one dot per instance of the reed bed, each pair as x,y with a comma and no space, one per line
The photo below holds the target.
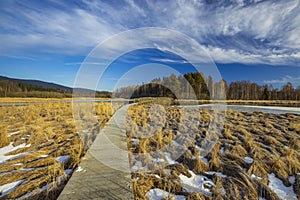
250,148
47,142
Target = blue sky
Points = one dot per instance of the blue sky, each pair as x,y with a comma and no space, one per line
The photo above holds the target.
257,40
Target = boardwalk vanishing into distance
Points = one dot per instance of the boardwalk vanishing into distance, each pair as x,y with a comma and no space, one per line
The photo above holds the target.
105,172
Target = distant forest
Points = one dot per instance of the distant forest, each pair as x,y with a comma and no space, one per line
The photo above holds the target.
19,89
188,86
10,88
196,85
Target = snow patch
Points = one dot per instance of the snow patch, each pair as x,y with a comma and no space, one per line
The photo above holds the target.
26,169
203,159
199,148
138,166
169,159
157,160
79,169
157,176
252,176
14,133
222,150
218,173
283,192
135,141
158,194
62,159
196,183
68,172
248,160
9,148
292,179
9,187
17,164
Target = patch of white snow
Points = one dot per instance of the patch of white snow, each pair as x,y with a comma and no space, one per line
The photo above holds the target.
7,188
158,194
7,149
14,133
62,159
248,160
218,173
196,183
79,169
169,159
283,192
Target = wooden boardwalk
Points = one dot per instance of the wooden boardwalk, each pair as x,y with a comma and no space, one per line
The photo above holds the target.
105,168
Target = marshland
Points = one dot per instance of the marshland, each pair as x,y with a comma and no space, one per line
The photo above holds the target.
175,151
179,152
201,97
41,144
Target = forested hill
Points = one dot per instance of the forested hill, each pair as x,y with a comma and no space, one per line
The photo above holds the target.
38,83
184,87
10,87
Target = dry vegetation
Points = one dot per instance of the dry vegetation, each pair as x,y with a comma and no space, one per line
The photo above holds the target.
46,144
251,148
15,100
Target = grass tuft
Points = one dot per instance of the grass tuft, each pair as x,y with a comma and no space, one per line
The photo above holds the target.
4,141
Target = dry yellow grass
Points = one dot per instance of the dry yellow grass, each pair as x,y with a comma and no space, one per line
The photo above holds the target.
4,141
13,100
295,125
270,140
47,130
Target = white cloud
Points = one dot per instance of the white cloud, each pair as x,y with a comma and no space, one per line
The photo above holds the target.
54,31
169,60
247,34
136,8
284,80
261,32
86,63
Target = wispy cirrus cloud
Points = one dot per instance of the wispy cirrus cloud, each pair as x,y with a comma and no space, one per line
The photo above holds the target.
165,60
264,31
284,80
86,63
31,28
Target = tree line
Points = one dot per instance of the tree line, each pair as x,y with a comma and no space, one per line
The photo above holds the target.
189,86
196,86
20,89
